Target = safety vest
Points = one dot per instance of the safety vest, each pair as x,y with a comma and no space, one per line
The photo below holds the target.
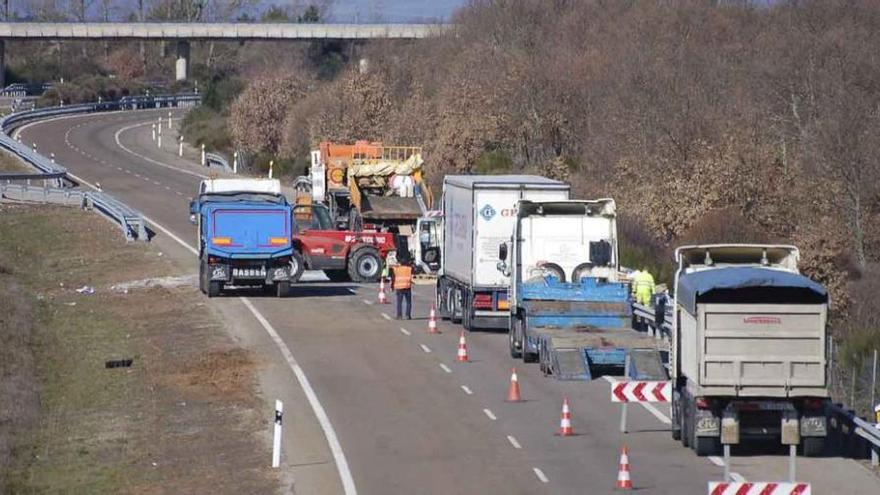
402,277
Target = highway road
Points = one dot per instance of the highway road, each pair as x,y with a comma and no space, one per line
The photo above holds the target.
408,417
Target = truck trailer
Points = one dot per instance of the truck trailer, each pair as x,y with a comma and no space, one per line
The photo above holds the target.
478,214
569,310
244,228
748,353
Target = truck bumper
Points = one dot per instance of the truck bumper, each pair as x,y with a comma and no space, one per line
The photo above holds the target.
496,320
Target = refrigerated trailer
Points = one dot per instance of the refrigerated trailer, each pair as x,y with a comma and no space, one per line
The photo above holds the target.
479,213
748,350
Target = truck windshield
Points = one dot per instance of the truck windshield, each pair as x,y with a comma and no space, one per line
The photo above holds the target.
312,217
244,197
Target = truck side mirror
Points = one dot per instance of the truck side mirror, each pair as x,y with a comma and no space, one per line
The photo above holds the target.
193,211
502,251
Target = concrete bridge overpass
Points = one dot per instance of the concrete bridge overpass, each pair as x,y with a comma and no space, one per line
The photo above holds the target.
183,33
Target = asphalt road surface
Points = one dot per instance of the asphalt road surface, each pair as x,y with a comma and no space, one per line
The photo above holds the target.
408,417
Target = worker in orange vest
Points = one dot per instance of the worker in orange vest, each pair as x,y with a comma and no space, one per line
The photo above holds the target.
401,284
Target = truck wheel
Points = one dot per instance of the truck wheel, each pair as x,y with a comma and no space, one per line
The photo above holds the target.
337,275
365,265
214,288
466,310
514,338
439,303
455,310
296,267
685,424
282,289
706,446
203,277
813,446
676,416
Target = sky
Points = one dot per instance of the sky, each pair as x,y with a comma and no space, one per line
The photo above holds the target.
394,10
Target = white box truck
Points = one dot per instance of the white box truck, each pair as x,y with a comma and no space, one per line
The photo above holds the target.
748,354
479,213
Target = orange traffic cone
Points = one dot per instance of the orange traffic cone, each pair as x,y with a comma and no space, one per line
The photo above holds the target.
432,321
513,391
565,428
623,480
382,298
462,349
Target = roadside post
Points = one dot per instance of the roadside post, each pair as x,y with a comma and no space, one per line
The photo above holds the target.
875,451
235,162
180,147
271,166
169,121
52,157
154,132
204,161
623,406
276,442
627,391
729,436
159,126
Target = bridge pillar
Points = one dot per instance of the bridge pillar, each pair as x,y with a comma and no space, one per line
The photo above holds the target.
2,63
182,65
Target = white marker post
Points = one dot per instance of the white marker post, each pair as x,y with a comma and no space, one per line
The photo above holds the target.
154,132
276,442
169,121
180,148
52,156
204,161
235,162
159,141
271,166
623,406
160,127
34,146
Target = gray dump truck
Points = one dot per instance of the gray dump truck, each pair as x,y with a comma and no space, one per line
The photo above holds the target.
748,353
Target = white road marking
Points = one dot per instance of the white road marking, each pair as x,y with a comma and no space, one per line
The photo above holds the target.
513,442
385,315
146,158
490,414
541,476
352,290
367,302
445,368
167,188
332,440
714,459
179,193
405,331
118,168
157,183
137,175
467,390
425,348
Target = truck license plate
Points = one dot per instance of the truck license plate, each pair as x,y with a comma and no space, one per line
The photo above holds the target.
249,272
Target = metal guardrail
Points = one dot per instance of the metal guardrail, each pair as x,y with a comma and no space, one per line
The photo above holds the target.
218,159
130,220
645,316
855,436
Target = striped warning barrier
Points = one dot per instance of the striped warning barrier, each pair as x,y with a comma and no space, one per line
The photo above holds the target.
641,391
758,488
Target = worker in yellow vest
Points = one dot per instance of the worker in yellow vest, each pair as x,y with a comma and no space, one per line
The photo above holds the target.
643,286
401,284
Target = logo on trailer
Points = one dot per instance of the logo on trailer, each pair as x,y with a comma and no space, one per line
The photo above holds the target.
762,320
487,212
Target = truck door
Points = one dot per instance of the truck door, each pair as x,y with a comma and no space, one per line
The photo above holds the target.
427,244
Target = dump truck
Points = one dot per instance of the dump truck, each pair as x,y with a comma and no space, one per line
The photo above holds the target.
569,309
244,229
478,213
371,185
748,354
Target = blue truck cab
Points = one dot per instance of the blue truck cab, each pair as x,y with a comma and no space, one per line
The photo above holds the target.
569,310
245,231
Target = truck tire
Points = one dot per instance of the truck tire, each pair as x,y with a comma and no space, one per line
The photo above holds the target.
337,275
455,310
365,265
685,423
466,310
203,277
676,415
440,301
296,267
514,338
214,288
813,446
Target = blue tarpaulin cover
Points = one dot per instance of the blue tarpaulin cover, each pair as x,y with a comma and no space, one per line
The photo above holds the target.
693,285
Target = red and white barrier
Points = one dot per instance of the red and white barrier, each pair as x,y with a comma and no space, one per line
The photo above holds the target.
641,391
758,488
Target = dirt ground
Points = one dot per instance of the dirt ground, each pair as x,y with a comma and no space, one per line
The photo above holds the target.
183,418
10,164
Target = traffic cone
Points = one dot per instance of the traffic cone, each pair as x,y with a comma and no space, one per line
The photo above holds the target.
513,391
565,428
462,349
623,480
432,321
382,298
